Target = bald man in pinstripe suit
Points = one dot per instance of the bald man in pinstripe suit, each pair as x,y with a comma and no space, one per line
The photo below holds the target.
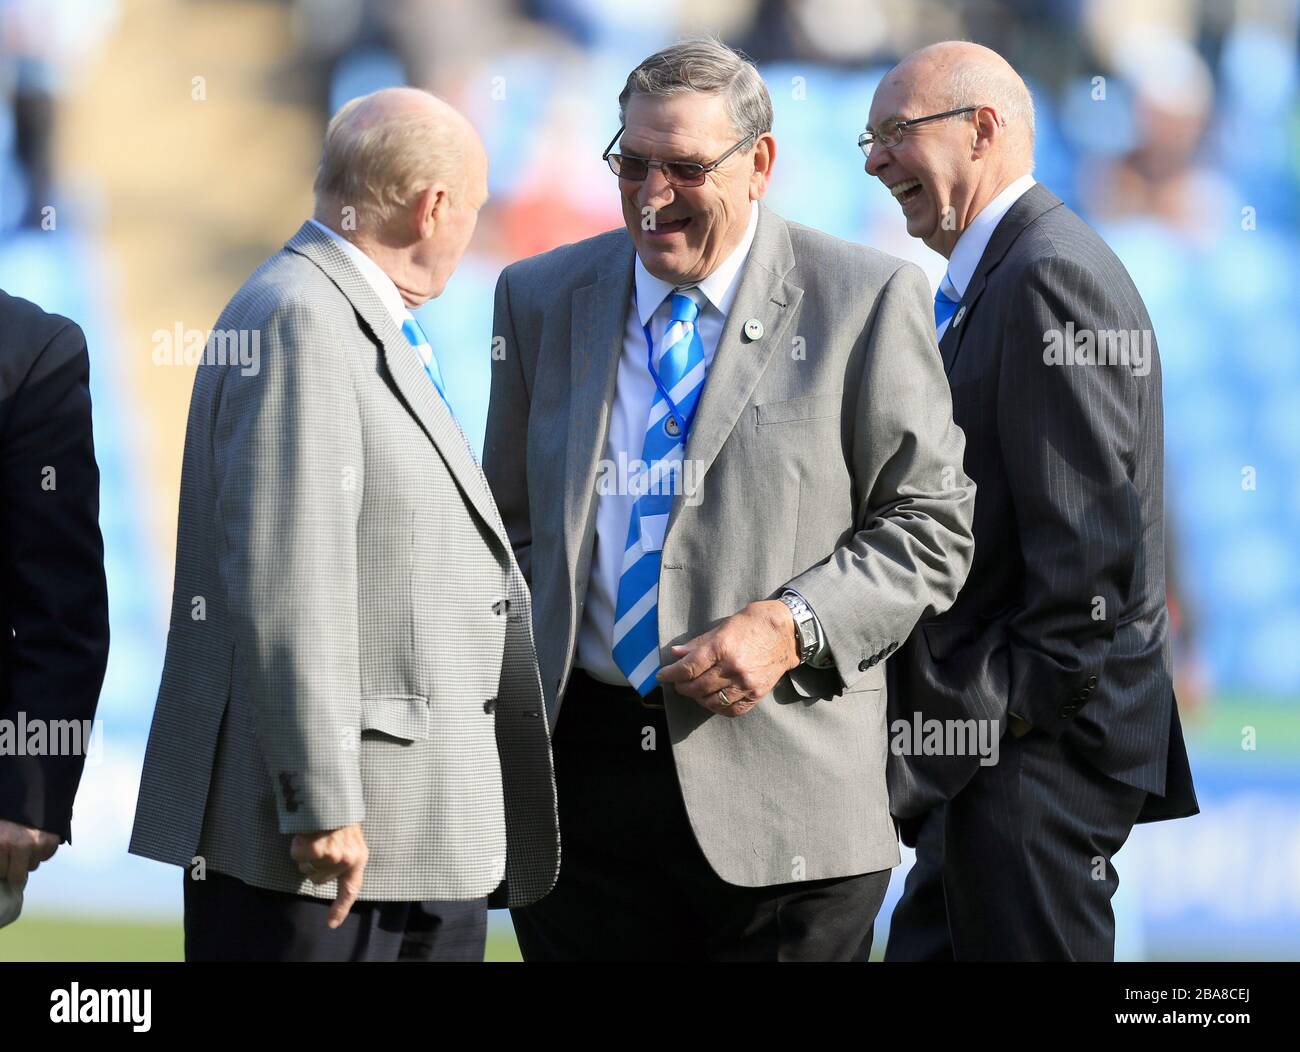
1060,634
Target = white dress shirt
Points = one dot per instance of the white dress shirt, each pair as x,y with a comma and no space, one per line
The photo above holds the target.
391,299
374,275
974,240
628,420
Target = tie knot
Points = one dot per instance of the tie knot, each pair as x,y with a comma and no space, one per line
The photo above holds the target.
412,331
945,303
684,308
947,291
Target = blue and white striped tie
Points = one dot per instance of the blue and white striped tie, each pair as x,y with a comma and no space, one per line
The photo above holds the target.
946,300
415,335
636,611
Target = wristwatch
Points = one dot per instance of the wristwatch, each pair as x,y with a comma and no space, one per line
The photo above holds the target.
805,625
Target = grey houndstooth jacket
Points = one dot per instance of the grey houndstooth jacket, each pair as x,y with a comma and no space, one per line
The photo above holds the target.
350,634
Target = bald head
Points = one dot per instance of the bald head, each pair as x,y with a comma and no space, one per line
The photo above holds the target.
957,73
403,176
383,149
943,172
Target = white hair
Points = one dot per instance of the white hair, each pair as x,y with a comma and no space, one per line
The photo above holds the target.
378,158
977,84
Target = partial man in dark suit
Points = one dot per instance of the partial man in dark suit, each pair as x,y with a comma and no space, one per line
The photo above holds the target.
53,596
1060,634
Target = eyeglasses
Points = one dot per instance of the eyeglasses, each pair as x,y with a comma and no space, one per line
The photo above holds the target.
677,173
890,133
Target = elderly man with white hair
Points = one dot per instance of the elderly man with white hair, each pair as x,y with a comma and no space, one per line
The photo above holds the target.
349,752
1060,635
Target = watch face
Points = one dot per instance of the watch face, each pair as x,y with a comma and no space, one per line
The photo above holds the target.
807,635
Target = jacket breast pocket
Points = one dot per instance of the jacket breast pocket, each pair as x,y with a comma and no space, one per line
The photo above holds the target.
798,410
943,640
401,716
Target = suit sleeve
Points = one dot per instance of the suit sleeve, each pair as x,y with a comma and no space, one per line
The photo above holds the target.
1065,431
913,545
53,571
506,441
289,465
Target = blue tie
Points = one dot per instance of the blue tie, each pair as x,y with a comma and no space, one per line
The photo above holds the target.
944,304
680,372
415,335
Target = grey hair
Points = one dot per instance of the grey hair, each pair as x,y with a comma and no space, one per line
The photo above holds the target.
710,67
971,84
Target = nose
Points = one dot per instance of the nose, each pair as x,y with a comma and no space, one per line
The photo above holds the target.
656,192
876,158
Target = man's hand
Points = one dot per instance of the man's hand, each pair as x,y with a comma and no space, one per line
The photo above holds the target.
329,854
22,850
744,656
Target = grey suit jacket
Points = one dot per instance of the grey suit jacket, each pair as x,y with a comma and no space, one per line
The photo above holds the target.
1063,618
350,637
830,464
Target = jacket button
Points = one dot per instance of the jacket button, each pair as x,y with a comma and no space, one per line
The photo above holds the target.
873,660
490,706
863,666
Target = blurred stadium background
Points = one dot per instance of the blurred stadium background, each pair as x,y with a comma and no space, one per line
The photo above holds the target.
152,152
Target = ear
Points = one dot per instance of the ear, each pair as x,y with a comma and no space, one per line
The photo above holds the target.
430,209
764,159
989,126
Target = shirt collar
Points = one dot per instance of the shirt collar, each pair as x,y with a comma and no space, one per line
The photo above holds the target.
975,238
374,275
719,288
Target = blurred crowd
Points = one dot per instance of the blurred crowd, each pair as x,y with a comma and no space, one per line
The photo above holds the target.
1172,125
43,44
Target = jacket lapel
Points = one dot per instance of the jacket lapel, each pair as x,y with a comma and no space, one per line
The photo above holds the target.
763,296
412,382
1030,205
599,314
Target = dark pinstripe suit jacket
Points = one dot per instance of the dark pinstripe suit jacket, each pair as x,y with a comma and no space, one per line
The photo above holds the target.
53,598
1062,620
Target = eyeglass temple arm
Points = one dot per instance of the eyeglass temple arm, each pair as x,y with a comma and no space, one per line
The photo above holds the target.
902,125
714,164
605,156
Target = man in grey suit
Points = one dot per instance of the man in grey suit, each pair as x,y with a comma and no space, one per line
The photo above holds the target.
349,748
1060,634
713,648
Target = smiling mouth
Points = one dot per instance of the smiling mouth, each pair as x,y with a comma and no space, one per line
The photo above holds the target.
662,229
906,191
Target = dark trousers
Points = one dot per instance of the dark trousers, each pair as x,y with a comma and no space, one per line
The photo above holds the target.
228,920
1016,867
634,884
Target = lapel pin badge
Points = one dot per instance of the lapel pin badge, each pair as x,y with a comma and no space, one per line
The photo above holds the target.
754,329
672,427
961,313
